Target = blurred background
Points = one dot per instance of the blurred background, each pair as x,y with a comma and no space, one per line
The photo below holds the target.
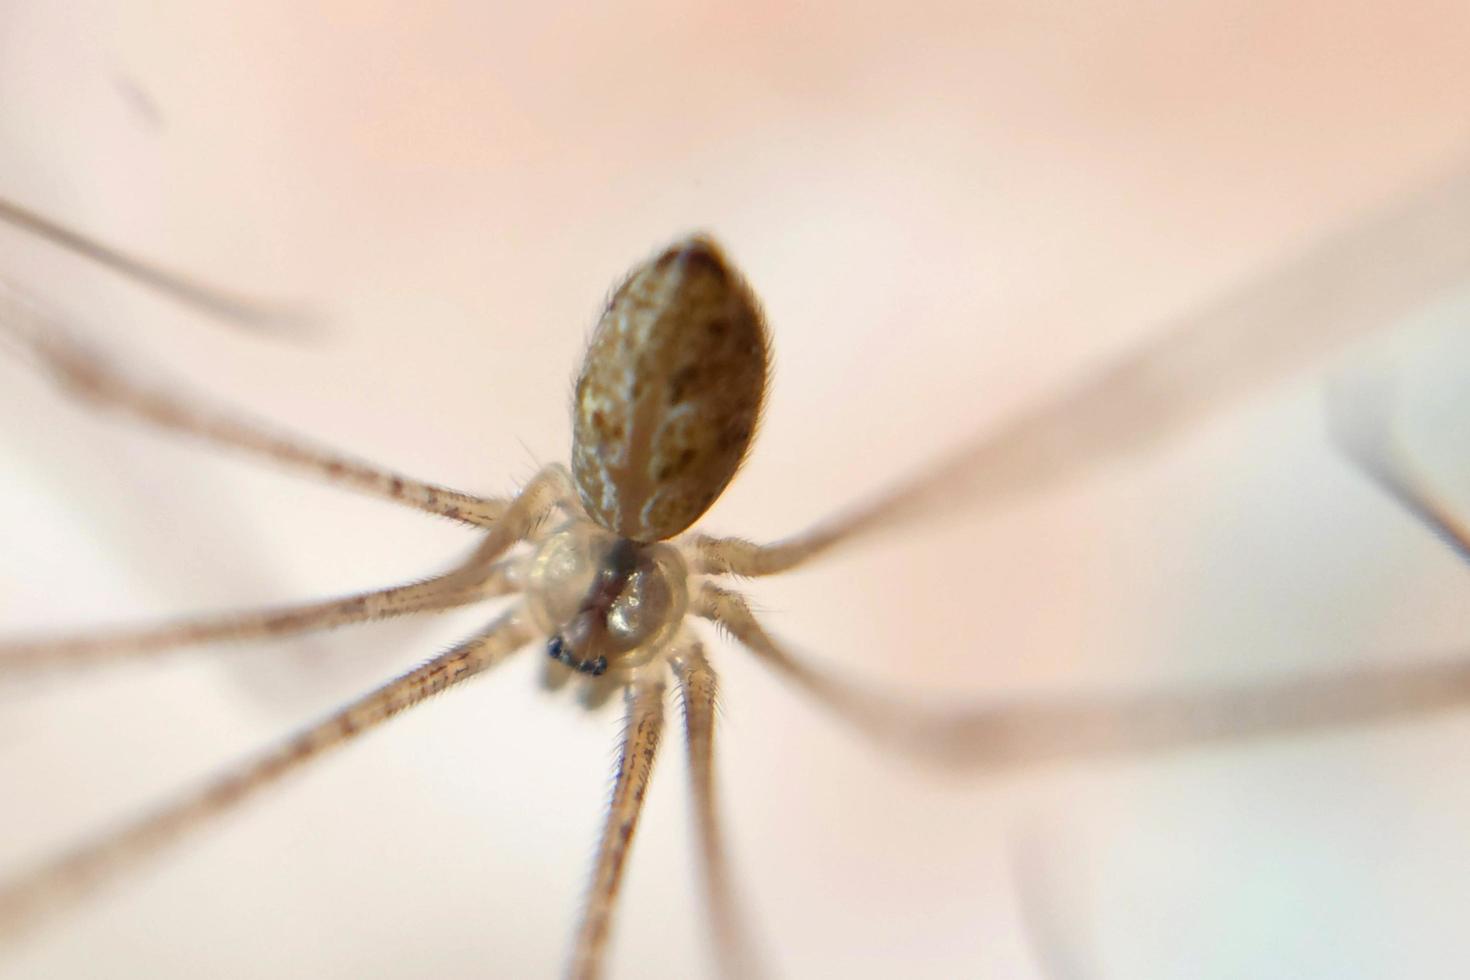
949,209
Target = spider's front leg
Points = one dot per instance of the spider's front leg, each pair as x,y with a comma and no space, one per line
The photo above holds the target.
52,887
641,734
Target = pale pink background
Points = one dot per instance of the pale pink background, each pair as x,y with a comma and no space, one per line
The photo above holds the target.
948,209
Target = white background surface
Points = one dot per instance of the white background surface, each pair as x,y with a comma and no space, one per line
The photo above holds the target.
948,210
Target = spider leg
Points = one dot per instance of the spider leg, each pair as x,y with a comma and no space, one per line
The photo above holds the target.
431,595
479,577
1281,323
211,300
1360,428
1064,729
91,379
1050,931
523,518
734,951
28,900
644,726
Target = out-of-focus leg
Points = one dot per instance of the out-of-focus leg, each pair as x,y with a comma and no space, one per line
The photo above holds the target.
191,292
735,952
1278,324
1361,428
94,380
480,576
1063,729
431,595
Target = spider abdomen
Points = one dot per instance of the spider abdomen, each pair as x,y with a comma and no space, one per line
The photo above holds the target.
670,392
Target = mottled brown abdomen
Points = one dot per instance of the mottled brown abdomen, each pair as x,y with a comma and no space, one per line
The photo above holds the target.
670,393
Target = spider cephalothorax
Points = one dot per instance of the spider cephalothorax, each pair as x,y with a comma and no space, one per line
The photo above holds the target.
604,600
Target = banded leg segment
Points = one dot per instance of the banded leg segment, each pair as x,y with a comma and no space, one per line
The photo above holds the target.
89,378
431,595
47,890
735,953
1041,731
479,577
644,727
522,517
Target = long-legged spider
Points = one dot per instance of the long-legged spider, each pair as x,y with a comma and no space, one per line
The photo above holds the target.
667,404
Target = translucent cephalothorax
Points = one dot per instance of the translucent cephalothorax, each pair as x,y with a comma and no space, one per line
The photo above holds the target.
605,601
667,403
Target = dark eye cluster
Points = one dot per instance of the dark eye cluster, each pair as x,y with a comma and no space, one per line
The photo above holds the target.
557,649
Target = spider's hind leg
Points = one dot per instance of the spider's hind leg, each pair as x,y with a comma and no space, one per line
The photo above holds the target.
216,302
38,335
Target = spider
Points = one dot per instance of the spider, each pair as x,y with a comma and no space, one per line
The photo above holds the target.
606,575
